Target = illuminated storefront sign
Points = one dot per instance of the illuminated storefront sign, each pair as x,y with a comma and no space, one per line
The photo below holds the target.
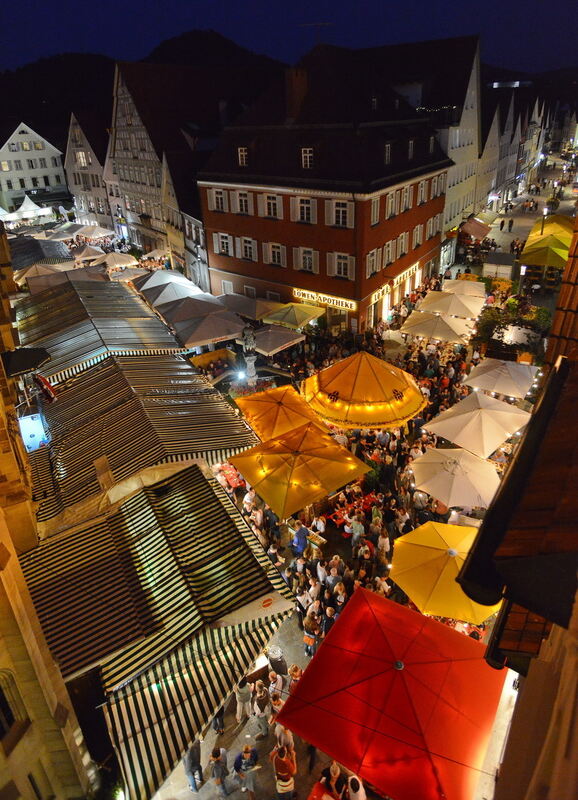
379,293
387,287
403,276
325,299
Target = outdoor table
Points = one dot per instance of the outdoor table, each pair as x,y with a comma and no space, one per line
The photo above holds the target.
319,792
232,476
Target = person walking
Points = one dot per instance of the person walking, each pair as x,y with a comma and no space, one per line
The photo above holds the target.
262,709
244,766
218,770
219,721
285,767
243,697
510,225
502,225
192,765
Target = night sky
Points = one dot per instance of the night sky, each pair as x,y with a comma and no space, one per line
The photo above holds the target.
532,35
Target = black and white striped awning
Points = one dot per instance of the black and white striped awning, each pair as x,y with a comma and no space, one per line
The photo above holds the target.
154,718
136,412
132,586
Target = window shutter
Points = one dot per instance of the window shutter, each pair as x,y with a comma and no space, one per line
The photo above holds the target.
283,256
351,215
296,258
266,253
410,197
313,211
425,191
279,206
329,212
234,202
294,209
396,202
351,268
238,247
393,251
255,249
330,264
231,244
377,259
368,265
216,247
316,262
211,200
226,201
250,202
261,205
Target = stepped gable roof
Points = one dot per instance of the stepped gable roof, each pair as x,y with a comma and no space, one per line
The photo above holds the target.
95,124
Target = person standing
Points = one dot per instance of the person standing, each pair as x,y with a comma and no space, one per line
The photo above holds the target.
502,225
243,698
262,709
284,767
219,770
219,721
192,765
355,788
244,766
510,225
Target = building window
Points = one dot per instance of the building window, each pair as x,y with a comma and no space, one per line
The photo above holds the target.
248,249
250,291
9,185
276,254
13,717
406,198
227,287
402,242
432,141
34,182
340,218
307,263
390,205
387,153
42,163
225,245
307,157
26,146
434,187
342,265
371,264
374,102
14,147
271,206
417,236
32,163
55,161
243,156
219,196
17,165
421,193
410,148
275,296
22,183
81,158
5,165
389,253
39,145
243,202
305,209
375,211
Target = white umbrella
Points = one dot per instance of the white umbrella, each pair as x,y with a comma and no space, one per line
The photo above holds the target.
66,231
86,252
503,377
189,307
273,338
158,295
432,326
158,252
128,274
456,477
456,305
34,270
252,307
393,340
472,288
479,423
95,232
219,326
116,260
159,278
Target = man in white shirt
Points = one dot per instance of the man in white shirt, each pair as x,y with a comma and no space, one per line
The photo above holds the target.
248,502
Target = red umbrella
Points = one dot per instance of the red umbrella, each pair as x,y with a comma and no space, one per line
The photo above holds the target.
400,699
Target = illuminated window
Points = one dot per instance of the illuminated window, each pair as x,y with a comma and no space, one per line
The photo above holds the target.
26,146
5,165
307,157
39,145
243,156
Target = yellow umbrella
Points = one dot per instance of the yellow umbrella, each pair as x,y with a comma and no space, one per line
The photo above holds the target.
426,563
548,251
294,315
363,391
553,225
297,468
276,411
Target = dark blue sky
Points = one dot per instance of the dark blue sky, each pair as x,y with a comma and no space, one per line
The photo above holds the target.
529,35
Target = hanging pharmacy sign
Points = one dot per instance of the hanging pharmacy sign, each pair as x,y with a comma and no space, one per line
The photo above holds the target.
324,299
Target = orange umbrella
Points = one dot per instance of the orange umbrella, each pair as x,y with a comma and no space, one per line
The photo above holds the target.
363,391
276,411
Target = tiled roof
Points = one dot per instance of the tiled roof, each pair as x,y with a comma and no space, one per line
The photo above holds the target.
95,124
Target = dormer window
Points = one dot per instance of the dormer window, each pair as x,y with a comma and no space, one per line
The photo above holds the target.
243,156
432,141
307,157
410,148
374,102
387,153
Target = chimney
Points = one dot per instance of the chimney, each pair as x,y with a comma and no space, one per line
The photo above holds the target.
295,91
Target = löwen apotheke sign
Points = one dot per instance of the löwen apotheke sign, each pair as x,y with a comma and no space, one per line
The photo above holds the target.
325,299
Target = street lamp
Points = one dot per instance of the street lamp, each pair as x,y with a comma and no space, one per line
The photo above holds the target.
544,215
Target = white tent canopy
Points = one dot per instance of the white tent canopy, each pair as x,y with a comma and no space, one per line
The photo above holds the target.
220,326
67,230
159,278
86,252
456,477
432,326
95,232
272,339
35,270
175,290
158,252
503,377
456,305
189,307
252,307
479,423
116,260
27,210
471,288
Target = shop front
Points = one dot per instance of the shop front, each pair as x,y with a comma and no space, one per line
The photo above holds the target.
340,312
391,293
448,249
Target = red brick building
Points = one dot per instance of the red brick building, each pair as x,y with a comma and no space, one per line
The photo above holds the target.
330,189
